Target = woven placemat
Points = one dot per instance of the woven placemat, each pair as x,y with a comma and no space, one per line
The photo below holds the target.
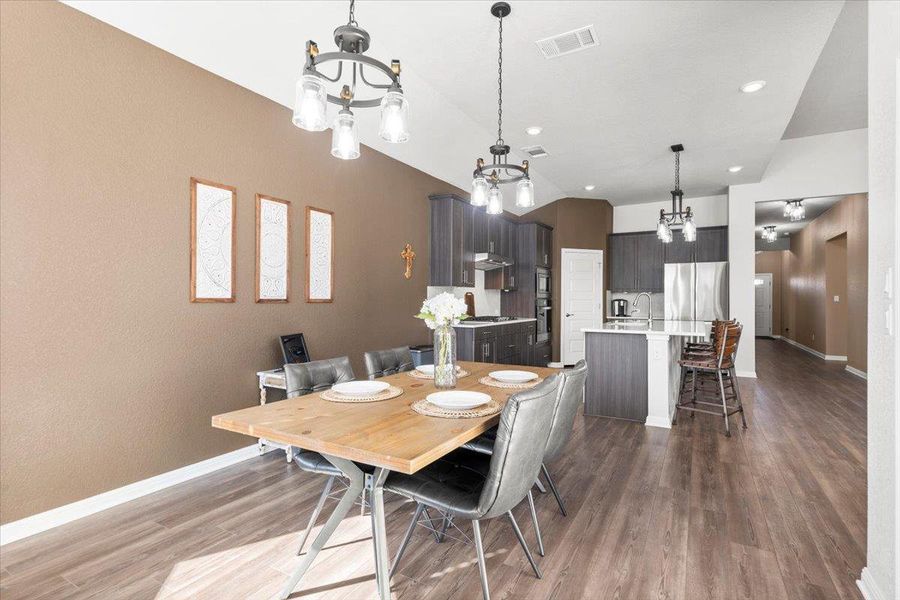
488,380
424,407
460,372
333,396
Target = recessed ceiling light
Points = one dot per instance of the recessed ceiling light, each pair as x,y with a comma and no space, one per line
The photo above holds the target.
753,86
590,187
533,130
735,168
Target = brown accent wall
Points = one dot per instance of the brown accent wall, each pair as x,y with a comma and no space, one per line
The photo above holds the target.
770,261
804,307
108,374
577,223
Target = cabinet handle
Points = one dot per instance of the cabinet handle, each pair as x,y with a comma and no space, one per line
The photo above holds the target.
512,280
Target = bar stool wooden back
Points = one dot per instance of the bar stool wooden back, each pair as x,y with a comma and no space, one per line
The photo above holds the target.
711,375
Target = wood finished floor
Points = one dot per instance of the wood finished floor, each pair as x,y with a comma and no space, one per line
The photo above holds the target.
776,512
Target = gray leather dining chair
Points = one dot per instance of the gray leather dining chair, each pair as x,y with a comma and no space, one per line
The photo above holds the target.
302,379
468,485
387,362
570,398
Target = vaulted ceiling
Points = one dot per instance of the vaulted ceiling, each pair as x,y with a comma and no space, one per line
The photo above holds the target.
663,73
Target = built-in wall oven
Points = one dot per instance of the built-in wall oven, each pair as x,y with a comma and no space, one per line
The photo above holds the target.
542,283
542,312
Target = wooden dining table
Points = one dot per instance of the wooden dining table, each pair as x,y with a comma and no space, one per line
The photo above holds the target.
388,435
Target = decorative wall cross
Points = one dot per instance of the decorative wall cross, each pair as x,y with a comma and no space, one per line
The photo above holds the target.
409,256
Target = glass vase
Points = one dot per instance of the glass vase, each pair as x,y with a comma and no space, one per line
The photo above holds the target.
445,357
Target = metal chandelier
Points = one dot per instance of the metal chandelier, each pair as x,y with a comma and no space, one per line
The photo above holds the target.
488,178
685,218
312,99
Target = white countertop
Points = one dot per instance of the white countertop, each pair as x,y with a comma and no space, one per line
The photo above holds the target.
493,323
678,328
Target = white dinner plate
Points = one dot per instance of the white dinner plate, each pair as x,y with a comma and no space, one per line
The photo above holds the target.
514,376
426,369
360,388
458,399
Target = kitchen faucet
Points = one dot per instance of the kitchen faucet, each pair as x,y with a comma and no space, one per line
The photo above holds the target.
649,306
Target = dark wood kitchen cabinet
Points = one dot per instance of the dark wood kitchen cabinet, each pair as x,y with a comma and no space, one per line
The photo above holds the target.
505,278
452,242
678,250
622,251
649,257
544,247
502,343
481,230
712,244
495,234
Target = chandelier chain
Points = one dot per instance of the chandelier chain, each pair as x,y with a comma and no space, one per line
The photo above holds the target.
500,88
678,170
352,20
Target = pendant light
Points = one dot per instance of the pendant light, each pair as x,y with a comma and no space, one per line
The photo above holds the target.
312,98
487,179
769,234
685,217
795,210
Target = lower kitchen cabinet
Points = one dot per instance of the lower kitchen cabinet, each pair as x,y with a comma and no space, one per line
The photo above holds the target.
503,343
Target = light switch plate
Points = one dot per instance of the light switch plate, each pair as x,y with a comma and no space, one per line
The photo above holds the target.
837,298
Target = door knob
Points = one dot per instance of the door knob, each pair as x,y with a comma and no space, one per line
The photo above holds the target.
569,314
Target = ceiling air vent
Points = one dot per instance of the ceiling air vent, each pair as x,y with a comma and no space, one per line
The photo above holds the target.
566,43
535,151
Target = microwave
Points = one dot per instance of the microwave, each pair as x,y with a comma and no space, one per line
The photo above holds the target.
542,283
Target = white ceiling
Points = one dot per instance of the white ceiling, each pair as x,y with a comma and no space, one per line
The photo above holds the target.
835,97
664,73
772,213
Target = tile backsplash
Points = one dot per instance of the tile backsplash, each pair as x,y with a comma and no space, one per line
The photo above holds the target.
487,302
657,300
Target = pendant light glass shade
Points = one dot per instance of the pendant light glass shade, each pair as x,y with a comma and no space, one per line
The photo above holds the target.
689,230
394,118
788,209
525,194
479,192
310,103
495,201
345,136
663,232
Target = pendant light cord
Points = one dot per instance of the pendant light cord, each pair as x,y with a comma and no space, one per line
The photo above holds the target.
500,88
678,170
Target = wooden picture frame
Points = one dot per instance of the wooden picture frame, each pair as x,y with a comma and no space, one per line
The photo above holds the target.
213,235
273,249
319,255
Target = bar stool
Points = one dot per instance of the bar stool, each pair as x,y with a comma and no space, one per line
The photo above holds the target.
705,369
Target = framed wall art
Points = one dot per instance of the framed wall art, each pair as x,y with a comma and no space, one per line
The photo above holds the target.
319,255
212,241
273,244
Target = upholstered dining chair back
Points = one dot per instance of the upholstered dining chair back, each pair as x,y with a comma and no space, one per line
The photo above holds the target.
519,449
387,362
305,378
570,397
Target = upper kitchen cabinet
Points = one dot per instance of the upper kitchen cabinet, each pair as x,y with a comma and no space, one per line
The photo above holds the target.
482,219
712,244
650,259
505,278
635,262
544,247
678,250
452,242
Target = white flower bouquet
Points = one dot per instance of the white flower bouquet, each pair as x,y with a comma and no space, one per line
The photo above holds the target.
443,310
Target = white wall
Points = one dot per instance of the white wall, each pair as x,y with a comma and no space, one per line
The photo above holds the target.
708,212
879,577
820,165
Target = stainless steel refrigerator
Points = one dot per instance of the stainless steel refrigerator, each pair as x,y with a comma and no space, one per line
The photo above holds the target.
696,291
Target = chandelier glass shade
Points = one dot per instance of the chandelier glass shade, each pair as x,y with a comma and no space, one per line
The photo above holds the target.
678,215
769,234
312,98
500,171
795,210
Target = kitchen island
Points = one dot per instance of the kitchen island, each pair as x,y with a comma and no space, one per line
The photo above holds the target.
633,370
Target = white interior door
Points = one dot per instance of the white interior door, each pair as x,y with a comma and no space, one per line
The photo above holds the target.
581,299
763,286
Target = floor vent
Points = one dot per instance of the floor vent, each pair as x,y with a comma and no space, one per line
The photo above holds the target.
569,42
535,151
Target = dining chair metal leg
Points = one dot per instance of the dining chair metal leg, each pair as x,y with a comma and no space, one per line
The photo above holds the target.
357,481
315,514
540,486
382,571
446,524
552,486
724,404
482,567
534,521
432,527
522,543
409,531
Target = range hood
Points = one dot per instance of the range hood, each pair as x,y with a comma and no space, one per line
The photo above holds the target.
485,261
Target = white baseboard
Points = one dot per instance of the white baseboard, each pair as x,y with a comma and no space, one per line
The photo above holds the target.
797,344
868,587
658,422
749,374
836,357
17,530
855,371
